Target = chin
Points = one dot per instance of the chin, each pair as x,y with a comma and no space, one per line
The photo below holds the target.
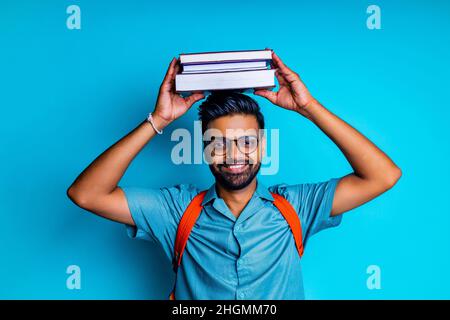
232,186
235,182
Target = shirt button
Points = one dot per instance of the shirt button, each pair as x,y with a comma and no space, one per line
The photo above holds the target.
237,228
242,295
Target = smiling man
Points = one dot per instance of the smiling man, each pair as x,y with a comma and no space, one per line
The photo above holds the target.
242,245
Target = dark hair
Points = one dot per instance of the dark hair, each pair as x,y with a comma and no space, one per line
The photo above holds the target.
225,102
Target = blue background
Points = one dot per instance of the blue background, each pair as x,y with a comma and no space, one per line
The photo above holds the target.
67,95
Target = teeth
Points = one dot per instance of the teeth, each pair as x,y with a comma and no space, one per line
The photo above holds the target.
236,166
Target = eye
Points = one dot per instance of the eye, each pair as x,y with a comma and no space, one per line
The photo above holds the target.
218,143
248,141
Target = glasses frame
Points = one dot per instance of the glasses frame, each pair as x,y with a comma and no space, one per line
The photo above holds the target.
235,140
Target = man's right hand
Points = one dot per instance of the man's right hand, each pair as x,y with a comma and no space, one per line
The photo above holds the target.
170,105
96,188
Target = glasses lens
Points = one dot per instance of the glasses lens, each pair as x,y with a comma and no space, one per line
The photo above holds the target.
247,144
219,145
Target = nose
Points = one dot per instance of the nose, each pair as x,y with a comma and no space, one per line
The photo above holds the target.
234,154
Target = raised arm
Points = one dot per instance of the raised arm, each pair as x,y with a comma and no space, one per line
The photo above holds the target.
373,171
95,189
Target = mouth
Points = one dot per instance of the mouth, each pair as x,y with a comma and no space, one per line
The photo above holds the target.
234,168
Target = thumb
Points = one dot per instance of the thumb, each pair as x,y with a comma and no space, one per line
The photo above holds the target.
193,98
269,95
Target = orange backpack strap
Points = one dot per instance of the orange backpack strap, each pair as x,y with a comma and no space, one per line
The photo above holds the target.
185,226
292,219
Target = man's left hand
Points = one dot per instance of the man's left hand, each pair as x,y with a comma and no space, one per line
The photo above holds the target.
292,93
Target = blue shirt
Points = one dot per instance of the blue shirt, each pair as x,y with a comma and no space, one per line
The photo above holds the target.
252,256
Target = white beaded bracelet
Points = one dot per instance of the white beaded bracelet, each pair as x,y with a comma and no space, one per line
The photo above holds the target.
150,119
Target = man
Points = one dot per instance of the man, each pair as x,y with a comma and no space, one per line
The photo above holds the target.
240,247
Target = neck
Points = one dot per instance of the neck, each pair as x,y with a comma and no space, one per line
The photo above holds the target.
236,200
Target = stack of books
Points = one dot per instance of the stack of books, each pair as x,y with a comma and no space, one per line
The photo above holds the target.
226,70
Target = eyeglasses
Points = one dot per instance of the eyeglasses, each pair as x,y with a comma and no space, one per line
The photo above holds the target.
245,144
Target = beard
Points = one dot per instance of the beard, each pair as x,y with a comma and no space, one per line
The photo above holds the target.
235,181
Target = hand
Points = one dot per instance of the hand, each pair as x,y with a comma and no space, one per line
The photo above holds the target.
292,93
170,105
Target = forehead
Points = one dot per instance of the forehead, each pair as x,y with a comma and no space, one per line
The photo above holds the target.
235,125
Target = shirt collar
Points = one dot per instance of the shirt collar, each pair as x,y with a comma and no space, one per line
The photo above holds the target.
261,191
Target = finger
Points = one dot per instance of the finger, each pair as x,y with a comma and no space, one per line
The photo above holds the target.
280,78
170,74
289,75
286,78
170,69
276,63
173,76
279,63
273,62
269,95
193,98
176,69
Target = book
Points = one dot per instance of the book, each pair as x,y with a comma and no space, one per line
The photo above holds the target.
225,80
226,70
230,66
224,56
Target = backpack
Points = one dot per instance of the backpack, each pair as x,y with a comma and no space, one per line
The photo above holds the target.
194,208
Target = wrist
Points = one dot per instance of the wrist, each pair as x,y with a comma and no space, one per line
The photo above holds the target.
308,109
159,122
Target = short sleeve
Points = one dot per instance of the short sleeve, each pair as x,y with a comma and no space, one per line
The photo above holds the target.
313,203
157,212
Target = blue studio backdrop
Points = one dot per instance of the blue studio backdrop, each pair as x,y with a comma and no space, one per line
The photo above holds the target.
68,94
